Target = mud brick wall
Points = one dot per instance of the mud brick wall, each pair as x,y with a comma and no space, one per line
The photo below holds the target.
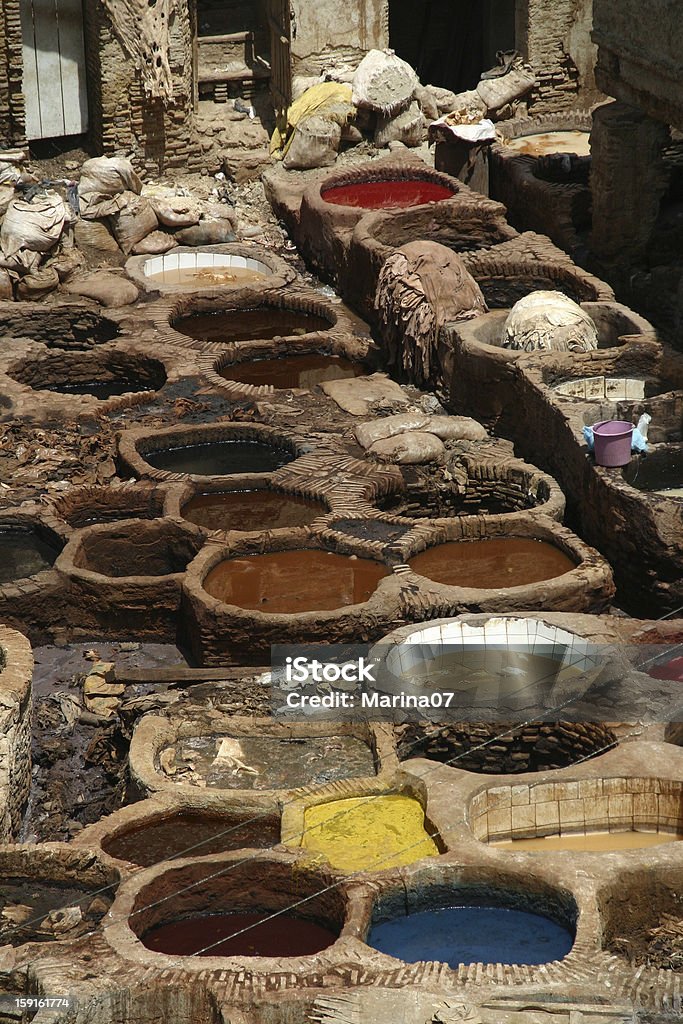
16,667
555,37
12,125
124,119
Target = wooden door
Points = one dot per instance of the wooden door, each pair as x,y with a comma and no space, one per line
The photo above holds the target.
54,82
279,24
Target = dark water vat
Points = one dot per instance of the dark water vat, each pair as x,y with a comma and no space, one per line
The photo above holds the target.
301,371
220,458
387,195
251,510
100,389
23,553
492,564
473,934
258,324
661,473
192,834
284,935
287,582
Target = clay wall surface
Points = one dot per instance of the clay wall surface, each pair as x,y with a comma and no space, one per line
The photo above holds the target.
555,36
11,72
336,31
639,57
123,118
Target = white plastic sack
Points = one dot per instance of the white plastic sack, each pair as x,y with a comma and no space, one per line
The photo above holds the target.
135,220
408,127
549,321
383,82
315,143
35,226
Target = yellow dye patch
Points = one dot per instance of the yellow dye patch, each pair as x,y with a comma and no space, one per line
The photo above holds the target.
368,833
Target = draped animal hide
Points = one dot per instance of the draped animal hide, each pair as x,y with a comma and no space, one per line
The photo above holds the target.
142,28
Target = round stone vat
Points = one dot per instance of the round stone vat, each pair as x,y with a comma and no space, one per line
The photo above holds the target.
264,319
369,833
248,511
26,549
331,209
287,372
173,833
659,473
226,908
85,506
462,224
493,563
55,895
504,280
102,374
506,567
641,915
118,569
485,487
300,580
244,763
61,325
478,373
482,921
248,453
231,266
244,595
591,816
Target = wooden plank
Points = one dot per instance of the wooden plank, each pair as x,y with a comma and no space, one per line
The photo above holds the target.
248,75
72,65
49,69
231,37
30,86
184,675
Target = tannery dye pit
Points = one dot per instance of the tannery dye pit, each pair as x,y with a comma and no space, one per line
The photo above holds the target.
492,564
251,510
473,934
287,582
371,833
239,935
387,195
23,553
220,458
260,323
301,371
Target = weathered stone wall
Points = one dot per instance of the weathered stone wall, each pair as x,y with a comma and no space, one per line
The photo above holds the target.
16,667
336,31
123,118
555,36
11,71
639,56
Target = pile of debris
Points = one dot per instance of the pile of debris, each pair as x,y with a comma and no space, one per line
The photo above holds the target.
382,102
53,232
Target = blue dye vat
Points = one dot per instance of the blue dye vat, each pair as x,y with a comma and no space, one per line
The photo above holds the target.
479,935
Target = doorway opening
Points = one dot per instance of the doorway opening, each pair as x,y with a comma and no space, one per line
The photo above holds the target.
451,42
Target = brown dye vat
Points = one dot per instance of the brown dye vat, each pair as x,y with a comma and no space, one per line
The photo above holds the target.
251,510
591,842
303,371
187,834
284,935
492,564
287,582
226,276
552,142
261,323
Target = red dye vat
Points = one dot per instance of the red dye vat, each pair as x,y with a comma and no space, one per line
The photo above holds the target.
670,670
280,936
387,195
